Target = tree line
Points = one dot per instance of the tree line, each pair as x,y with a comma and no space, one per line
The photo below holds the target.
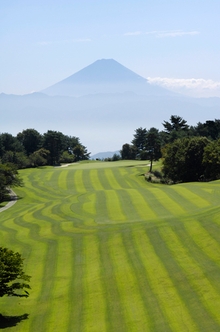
189,153
29,148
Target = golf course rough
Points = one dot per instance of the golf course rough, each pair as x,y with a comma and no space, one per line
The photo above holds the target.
108,251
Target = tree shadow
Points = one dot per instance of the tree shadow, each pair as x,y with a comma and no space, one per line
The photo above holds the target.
10,321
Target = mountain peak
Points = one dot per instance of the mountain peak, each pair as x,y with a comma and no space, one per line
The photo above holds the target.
104,70
103,76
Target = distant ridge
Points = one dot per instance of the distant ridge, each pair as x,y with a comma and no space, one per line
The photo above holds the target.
103,155
103,76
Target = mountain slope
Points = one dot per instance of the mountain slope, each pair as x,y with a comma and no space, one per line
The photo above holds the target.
104,76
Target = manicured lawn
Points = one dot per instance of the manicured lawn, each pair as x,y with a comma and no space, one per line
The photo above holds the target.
108,251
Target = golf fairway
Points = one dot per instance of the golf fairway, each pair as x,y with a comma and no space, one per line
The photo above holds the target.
109,252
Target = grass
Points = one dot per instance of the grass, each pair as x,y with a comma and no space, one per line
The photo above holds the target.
109,251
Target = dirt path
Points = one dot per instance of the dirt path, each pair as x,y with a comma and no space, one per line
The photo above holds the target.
11,203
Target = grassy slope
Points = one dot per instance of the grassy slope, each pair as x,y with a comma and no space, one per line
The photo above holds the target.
108,251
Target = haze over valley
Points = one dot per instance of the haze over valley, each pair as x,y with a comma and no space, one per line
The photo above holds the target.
102,104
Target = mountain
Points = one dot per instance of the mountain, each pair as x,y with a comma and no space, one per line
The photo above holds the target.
101,104
104,76
103,155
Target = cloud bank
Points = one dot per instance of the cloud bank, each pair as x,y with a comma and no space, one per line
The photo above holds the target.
65,41
163,34
197,87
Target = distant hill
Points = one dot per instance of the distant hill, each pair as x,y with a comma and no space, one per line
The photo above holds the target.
103,155
104,76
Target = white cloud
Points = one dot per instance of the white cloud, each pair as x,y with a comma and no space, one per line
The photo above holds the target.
163,34
66,41
177,33
135,33
197,87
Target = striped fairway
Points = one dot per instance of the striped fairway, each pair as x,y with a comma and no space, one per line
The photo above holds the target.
108,251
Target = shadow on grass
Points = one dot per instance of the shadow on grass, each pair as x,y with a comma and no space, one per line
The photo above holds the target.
10,321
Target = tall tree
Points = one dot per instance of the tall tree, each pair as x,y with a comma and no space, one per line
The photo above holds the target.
176,123
80,152
139,141
8,178
13,280
153,145
54,142
31,140
176,128
10,143
210,129
211,160
128,151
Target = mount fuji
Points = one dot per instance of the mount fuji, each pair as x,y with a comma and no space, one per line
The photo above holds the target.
102,104
104,76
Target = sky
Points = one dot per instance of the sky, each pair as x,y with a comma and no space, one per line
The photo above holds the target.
173,43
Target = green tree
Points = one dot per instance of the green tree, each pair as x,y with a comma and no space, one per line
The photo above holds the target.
176,123
128,152
80,152
67,157
39,157
31,140
13,280
210,129
176,128
183,159
9,143
18,158
8,178
211,160
153,145
53,141
139,142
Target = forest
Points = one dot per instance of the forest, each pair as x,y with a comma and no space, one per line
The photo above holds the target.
188,153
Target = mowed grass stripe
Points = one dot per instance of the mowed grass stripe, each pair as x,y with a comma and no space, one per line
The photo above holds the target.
89,206
114,208
185,288
111,177
76,291
103,180
160,280
39,322
94,310
203,240
94,179
62,179
207,294
122,177
114,309
157,320
172,206
192,197
141,206
101,208
133,306
198,251
123,173
78,181
127,205
59,316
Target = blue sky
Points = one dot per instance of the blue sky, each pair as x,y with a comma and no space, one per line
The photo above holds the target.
174,43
